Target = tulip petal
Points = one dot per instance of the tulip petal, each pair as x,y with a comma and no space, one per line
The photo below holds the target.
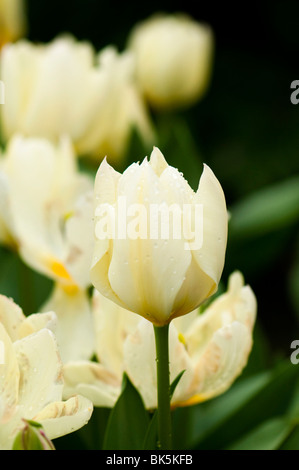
112,325
62,418
219,341
93,381
237,304
146,270
210,257
74,331
36,322
41,373
11,317
79,234
9,377
221,362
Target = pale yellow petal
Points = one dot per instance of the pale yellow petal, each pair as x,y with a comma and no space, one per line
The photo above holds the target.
61,418
11,317
112,326
9,377
92,380
41,372
210,257
74,330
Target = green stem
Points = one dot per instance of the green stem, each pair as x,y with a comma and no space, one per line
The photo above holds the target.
163,387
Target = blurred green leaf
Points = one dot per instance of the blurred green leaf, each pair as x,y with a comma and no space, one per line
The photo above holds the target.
293,280
267,436
266,210
128,421
25,286
292,441
247,404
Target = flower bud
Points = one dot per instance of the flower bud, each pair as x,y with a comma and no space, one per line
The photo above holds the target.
32,437
160,246
173,59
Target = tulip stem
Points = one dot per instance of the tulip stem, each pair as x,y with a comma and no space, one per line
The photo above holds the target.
163,387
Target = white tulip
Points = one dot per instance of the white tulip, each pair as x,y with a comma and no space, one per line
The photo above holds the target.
173,59
31,382
46,214
42,210
161,257
64,88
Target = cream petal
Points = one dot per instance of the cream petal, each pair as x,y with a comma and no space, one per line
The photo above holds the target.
146,270
195,289
19,64
93,381
9,377
11,317
112,326
237,304
157,161
36,322
105,187
62,418
41,372
79,234
221,362
210,257
74,331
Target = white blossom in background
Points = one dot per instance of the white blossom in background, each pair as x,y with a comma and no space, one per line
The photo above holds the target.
173,59
46,215
66,88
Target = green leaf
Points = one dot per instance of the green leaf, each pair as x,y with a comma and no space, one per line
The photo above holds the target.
25,286
267,436
292,441
128,421
267,210
251,401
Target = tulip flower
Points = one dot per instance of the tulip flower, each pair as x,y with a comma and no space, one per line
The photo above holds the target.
45,192
31,382
212,348
89,97
173,59
160,246
46,215
159,250
12,20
